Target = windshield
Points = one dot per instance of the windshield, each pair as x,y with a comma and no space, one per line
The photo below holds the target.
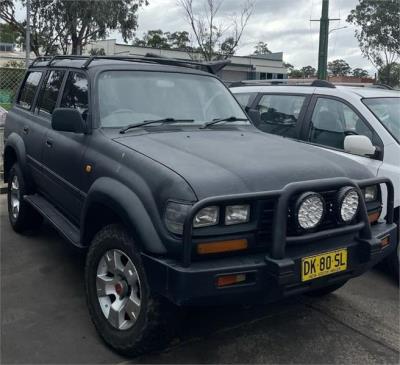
127,97
387,110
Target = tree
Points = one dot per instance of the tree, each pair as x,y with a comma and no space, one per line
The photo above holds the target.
288,66
296,74
8,34
262,49
153,39
179,40
97,52
43,25
390,74
308,71
378,31
58,25
339,68
215,38
359,72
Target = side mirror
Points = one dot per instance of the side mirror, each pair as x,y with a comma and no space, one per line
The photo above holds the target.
359,145
67,120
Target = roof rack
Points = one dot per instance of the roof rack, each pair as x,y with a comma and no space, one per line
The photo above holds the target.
212,67
285,82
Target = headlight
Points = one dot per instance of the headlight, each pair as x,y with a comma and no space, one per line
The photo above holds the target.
236,214
348,203
175,216
208,216
371,193
310,210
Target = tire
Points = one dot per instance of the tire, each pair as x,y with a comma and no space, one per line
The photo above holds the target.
146,327
21,215
325,290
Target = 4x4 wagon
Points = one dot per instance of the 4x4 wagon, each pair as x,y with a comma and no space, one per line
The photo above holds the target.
152,166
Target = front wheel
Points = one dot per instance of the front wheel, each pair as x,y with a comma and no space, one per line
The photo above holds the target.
127,315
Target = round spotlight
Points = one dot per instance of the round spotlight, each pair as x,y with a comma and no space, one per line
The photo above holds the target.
349,202
310,210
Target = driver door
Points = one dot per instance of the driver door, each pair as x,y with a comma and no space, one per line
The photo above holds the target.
64,151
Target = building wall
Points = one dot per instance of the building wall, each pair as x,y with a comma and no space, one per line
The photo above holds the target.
242,68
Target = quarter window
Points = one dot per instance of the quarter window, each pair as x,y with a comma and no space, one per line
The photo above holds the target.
75,94
279,114
50,90
28,90
243,99
333,120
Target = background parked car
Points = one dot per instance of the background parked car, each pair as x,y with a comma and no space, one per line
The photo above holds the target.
362,123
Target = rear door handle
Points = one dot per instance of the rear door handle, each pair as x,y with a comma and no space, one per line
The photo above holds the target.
49,143
26,130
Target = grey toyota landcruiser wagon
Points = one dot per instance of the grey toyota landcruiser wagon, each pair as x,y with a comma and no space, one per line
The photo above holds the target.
152,167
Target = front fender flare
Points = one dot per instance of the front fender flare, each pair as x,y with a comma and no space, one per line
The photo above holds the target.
16,143
127,205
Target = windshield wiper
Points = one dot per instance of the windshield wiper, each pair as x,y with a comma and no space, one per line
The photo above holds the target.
220,120
146,122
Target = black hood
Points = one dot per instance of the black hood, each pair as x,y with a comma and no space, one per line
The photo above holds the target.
217,162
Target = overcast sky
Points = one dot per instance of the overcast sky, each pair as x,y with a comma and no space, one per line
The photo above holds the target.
283,24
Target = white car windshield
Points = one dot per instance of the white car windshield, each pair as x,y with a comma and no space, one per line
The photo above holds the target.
387,110
130,97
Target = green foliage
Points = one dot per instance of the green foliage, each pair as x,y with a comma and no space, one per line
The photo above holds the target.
14,64
339,68
296,74
8,34
97,52
378,30
261,49
159,39
308,71
58,24
390,74
359,72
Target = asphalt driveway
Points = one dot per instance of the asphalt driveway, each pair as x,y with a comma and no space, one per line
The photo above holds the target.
44,317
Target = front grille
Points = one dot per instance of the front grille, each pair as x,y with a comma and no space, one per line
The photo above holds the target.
265,225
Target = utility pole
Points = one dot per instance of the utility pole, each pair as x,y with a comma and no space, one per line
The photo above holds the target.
28,33
323,40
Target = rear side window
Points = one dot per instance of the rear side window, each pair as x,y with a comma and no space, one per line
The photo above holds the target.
28,90
49,93
75,94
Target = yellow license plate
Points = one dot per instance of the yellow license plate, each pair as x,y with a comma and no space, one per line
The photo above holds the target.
327,263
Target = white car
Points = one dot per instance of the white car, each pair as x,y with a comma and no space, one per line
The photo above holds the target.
362,123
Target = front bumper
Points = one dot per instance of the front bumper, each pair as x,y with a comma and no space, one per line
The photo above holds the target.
271,279
278,273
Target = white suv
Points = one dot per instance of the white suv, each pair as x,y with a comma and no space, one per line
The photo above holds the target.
362,123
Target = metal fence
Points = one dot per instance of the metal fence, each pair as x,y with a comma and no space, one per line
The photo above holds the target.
10,78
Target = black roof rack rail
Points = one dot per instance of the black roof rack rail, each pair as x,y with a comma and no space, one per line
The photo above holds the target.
284,82
212,67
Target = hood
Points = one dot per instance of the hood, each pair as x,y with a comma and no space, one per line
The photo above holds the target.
218,162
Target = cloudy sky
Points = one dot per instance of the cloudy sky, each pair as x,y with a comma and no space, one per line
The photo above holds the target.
283,24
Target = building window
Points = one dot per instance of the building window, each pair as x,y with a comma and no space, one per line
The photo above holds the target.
263,75
269,76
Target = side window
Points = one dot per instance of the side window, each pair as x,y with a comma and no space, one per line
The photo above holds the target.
279,114
49,93
28,90
332,120
76,93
